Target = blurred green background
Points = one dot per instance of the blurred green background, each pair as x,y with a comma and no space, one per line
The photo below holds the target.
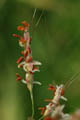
56,43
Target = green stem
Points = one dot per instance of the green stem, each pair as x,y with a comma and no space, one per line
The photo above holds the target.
41,118
32,100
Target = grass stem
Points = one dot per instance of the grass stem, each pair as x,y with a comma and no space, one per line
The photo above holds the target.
32,100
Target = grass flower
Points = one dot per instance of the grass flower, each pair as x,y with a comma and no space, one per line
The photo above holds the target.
26,61
54,109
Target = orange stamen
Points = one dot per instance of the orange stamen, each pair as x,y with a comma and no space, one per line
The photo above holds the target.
30,40
21,66
17,74
52,88
15,35
35,68
43,109
20,60
62,93
48,100
18,77
29,50
26,53
51,103
21,28
25,23
23,40
22,52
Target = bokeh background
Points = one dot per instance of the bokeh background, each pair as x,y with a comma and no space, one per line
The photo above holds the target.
56,43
